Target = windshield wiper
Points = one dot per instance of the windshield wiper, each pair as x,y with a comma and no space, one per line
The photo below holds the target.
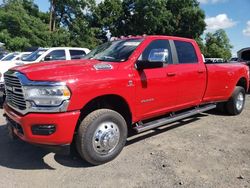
106,58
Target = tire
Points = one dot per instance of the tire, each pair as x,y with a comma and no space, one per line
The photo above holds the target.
93,130
236,103
221,107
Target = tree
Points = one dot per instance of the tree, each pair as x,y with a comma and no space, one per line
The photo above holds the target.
187,18
107,18
218,45
137,17
74,17
20,25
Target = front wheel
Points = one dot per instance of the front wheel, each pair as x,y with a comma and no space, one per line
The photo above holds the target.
101,136
236,103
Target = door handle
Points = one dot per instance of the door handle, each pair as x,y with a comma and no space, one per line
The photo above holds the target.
200,71
171,74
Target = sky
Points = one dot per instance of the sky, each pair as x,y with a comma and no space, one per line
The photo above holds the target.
231,15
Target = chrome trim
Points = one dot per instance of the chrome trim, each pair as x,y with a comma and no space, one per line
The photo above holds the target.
62,108
24,81
106,138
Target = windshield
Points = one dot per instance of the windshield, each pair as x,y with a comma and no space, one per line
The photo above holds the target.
1,56
115,51
34,55
9,57
24,56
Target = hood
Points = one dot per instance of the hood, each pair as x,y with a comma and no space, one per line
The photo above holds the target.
61,70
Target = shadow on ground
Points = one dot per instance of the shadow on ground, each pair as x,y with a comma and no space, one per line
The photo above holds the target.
16,154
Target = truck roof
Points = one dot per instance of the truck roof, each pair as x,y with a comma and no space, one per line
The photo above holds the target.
55,48
155,37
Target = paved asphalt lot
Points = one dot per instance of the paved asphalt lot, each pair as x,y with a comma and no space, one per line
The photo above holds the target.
208,150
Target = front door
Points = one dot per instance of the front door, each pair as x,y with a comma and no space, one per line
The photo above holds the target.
155,90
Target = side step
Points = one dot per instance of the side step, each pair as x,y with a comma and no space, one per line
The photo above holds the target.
170,119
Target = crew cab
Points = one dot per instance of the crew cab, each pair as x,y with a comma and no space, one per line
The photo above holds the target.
139,83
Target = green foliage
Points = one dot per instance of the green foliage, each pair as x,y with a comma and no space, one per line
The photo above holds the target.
137,17
218,45
20,25
107,17
82,23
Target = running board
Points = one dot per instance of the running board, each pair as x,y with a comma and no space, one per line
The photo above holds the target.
170,119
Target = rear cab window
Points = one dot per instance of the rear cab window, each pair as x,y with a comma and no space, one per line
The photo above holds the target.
185,52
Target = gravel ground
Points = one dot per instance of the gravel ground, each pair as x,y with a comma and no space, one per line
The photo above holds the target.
208,150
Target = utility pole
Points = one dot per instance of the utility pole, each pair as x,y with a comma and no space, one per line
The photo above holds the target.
52,21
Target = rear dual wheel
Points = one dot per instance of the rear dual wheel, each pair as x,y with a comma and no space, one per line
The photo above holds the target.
101,136
235,104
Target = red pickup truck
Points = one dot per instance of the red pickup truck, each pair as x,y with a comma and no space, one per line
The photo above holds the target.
140,83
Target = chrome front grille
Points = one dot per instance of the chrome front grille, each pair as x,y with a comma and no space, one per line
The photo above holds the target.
14,92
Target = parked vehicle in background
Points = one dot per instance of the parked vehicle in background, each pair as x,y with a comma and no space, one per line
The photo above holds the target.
140,83
40,55
55,54
15,56
234,59
244,56
2,55
7,62
214,60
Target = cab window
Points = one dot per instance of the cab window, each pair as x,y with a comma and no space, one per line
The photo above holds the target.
77,54
56,55
157,46
185,52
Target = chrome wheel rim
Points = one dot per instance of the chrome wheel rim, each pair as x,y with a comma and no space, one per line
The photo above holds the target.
240,101
106,138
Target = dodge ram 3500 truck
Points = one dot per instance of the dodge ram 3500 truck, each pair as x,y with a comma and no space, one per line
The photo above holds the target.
141,82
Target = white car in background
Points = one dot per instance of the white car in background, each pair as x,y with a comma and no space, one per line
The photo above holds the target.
11,60
7,62
15,56
54,54
2,55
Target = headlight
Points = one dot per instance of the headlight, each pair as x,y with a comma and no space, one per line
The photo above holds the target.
46,95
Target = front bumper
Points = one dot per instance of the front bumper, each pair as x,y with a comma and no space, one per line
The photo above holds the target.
64,123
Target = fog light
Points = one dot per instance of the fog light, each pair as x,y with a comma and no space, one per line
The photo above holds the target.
44,130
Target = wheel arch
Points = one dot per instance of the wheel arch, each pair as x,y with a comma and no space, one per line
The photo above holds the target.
110,101
243,83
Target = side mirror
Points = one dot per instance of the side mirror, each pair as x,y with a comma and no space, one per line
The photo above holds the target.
140,65
156,59
158,55
47,58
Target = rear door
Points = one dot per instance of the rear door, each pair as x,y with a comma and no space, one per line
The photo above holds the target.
155,91
190,74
